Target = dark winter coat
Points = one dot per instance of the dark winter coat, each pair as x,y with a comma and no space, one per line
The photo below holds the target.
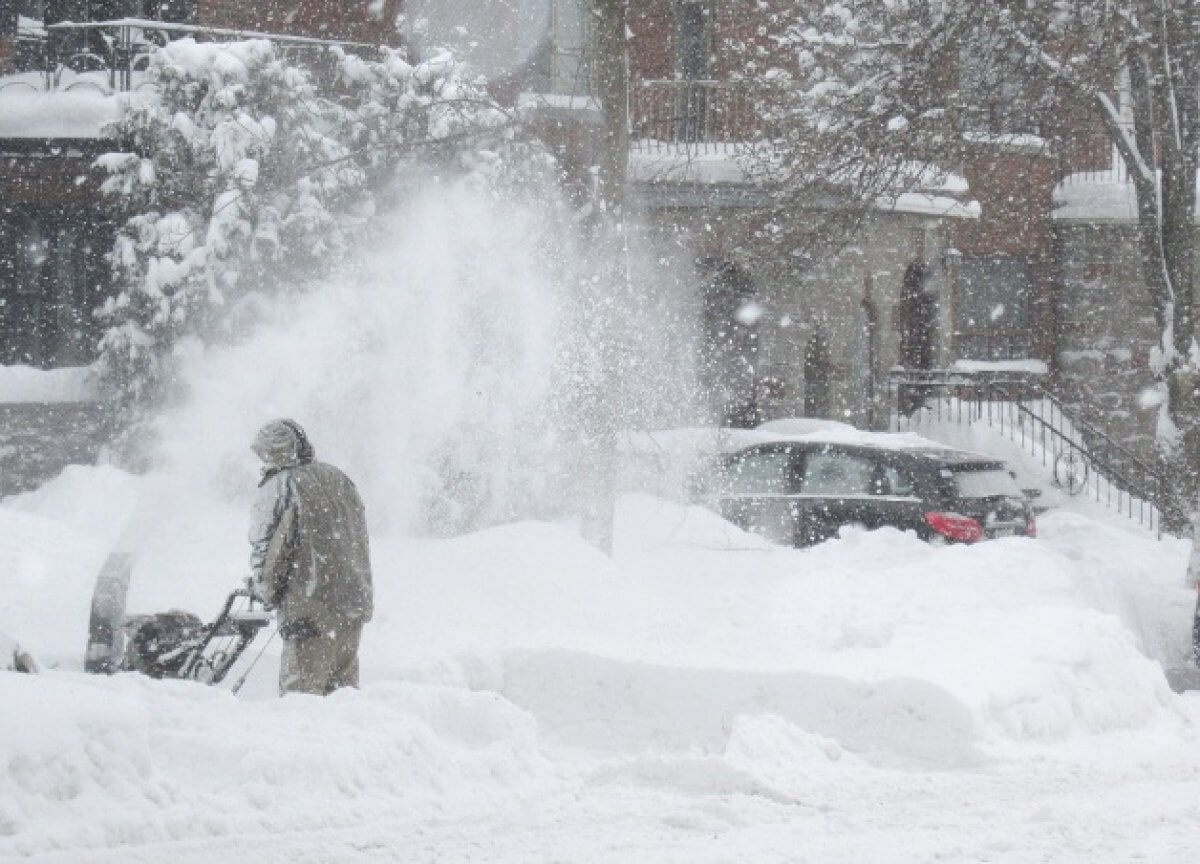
310,553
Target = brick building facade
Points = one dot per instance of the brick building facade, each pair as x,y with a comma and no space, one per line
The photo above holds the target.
349,20
1013,281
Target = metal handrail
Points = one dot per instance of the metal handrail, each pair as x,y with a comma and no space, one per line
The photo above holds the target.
1005,400
1105,466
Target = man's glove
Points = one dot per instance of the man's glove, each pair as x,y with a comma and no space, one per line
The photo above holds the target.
254,589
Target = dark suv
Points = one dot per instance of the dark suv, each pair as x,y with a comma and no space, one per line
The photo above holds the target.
802,492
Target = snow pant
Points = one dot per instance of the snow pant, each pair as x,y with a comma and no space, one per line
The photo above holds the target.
319,659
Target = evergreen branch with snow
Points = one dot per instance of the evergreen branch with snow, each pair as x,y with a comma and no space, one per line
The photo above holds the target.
249,174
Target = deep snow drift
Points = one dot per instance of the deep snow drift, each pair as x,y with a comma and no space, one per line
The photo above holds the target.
701,696
704,696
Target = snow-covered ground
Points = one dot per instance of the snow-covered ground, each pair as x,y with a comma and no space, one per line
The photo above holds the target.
702,696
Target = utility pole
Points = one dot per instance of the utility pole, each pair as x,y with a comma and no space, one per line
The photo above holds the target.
610,74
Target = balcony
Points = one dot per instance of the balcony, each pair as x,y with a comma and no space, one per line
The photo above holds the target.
108,57
691,116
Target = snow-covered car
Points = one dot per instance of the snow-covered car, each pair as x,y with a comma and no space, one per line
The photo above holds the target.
800,492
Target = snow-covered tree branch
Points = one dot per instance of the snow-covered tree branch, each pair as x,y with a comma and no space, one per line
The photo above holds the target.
248,173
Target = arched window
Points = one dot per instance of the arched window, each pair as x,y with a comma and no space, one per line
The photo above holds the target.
817,369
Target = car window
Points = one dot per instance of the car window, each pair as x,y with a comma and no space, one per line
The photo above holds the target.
984,482
896,482
833,473
759,472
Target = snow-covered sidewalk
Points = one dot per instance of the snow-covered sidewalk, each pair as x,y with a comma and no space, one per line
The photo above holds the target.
702,697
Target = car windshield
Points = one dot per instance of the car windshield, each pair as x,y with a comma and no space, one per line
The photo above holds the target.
984,482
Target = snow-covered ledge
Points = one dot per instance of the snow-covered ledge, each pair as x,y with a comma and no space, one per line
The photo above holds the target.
1024,367
23,384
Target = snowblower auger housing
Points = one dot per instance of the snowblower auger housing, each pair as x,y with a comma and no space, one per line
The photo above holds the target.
177,644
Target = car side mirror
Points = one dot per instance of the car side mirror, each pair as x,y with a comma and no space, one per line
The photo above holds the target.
1032,493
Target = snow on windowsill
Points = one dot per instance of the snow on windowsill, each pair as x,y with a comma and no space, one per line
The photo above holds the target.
669,162
557,101
1030,367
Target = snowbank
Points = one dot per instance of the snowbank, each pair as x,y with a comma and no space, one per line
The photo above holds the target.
27,384
703,695
517,667
79,113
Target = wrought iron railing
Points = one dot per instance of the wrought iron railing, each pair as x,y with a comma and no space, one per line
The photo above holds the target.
699,115
1082,459
109,55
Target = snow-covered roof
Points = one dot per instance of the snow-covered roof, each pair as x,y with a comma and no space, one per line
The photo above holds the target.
1025,144
717,164
718,440
32,28
1098,196
930,205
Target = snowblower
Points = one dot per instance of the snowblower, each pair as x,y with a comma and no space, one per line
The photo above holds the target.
171,644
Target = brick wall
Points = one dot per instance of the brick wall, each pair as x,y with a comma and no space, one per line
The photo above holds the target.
1015,190
50,175
1107,329
652,48
348,19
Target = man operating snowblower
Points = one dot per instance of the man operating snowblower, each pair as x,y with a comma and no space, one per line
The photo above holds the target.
310,561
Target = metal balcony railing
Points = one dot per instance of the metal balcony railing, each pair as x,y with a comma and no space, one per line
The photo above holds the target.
698,115
109,55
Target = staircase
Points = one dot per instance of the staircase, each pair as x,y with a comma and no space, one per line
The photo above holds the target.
1015,408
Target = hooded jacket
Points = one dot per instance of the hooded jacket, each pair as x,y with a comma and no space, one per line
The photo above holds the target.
310,553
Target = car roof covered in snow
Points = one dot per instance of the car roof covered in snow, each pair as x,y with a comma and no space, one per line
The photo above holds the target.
723,441
901,444
833,433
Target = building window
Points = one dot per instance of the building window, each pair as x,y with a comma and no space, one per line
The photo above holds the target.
693,50
53,274
693,39
992,310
